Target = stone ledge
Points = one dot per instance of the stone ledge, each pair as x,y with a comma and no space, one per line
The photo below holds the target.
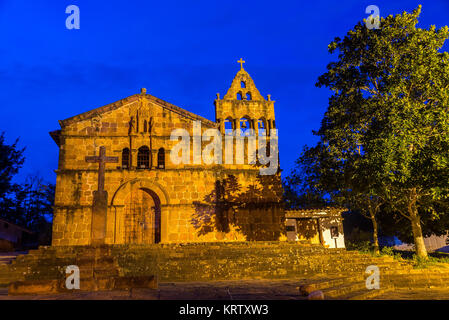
56,286
34,287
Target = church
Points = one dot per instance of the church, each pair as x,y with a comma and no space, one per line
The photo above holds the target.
120,179
116,183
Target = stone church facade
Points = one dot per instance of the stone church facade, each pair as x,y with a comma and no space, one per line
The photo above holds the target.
149,198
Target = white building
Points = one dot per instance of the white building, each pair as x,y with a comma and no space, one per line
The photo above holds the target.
317,226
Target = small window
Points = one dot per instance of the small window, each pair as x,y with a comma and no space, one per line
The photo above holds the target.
290,228
143,158
243,84
145,126
239,96
161,159
248,96
125,158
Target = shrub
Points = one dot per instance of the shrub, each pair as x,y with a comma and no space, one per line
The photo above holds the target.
387,251
363,246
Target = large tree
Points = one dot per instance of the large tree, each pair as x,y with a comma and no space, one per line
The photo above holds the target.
387,124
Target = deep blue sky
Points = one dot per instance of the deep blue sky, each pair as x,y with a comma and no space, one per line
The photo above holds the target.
182,52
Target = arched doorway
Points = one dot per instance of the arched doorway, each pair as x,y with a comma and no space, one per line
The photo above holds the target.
142,219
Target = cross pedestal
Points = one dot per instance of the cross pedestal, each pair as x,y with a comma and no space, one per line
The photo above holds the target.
100,201
99,213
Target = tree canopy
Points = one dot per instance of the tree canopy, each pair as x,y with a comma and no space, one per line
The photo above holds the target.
385,135
11,160
28,204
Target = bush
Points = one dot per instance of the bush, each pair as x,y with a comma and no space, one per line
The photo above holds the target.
363,246
387,251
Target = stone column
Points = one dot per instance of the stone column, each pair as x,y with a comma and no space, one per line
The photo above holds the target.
222,126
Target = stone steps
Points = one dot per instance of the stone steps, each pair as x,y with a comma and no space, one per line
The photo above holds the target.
215,261
98,272
421,281
48,265
334,282
344,289
55,286
350,287
9,257
366,294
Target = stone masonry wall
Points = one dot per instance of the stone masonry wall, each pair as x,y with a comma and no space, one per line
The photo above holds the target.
178,187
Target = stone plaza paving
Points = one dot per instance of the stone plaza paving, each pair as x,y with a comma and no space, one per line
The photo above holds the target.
222,290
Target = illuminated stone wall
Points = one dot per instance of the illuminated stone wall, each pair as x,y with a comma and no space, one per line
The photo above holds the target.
179,191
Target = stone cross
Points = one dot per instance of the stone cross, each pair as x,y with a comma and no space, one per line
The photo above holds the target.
100,200
102,160
241,61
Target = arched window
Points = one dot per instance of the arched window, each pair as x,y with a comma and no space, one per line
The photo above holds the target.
248,96
239,96
243,84
143,158
161,159
145,126
125,158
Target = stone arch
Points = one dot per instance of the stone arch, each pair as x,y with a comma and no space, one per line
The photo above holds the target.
262,125
140,218
249,123
229,123
239,96
120,204
119,195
